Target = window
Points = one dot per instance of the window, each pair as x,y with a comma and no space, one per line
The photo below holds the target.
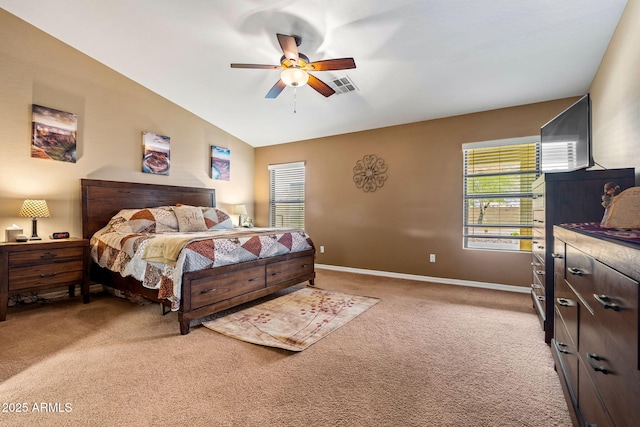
497,193
286,195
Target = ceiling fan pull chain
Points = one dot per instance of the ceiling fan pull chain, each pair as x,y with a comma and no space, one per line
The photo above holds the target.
294,100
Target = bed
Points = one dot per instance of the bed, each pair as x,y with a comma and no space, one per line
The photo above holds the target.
201,292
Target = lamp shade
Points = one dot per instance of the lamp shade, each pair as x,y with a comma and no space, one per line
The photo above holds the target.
294,76
240,210
34,209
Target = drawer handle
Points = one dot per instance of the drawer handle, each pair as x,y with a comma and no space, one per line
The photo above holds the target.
208,291
48,255
606,302
304,265
595,358
557,255
540,297
564,302
48,274
276,273
253,279
575,271
562,350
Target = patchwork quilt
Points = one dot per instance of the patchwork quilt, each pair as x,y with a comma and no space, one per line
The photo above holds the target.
158,259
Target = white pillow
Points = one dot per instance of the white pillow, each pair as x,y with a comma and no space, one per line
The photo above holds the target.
190,218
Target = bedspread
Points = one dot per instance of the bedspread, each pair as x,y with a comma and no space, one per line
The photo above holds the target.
140,254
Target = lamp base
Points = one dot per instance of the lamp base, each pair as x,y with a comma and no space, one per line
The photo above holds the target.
34,229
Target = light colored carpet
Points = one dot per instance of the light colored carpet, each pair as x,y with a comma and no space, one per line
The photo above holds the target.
292,321
426,355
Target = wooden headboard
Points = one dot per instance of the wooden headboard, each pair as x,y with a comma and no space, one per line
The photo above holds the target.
101,200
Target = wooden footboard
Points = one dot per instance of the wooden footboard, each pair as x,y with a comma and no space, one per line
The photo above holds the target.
209,291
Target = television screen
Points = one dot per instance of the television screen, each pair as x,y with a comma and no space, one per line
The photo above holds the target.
565,141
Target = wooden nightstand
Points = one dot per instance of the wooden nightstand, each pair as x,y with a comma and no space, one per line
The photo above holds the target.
43,264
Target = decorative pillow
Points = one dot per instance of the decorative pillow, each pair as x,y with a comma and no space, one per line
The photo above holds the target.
133,221
216,218
166,219
190,218
151,220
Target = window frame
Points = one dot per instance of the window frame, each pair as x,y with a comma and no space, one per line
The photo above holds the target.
287,175
520,238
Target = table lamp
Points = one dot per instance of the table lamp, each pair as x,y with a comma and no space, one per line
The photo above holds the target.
240,210
34,209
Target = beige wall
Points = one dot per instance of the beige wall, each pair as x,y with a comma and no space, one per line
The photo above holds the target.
419,209
113,111
615,95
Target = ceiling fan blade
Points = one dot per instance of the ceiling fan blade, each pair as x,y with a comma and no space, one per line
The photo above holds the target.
265,67
320,86
332,64
276,89
289,47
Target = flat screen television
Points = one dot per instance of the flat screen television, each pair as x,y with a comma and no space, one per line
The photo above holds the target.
565,141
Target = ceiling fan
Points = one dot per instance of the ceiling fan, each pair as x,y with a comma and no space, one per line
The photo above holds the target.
295,68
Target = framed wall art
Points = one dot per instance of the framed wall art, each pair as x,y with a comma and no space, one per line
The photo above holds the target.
156,153
220,163
53,134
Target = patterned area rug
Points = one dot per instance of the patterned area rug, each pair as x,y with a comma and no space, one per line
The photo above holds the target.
293,321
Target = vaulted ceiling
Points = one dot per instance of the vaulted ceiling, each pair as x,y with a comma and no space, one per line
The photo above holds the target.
415,59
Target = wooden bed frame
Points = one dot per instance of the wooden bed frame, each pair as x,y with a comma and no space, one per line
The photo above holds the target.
203,292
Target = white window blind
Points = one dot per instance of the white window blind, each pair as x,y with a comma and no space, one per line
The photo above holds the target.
497,194
286,195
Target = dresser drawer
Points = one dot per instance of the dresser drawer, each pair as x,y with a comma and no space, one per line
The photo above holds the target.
538,245
282,271
538,196
539,220
611,370
589,403
207,291
45,275
566,308
38,257
568,355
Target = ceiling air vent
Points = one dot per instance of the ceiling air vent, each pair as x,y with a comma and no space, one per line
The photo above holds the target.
343,85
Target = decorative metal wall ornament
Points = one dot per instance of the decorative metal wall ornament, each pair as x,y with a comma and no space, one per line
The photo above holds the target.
370,173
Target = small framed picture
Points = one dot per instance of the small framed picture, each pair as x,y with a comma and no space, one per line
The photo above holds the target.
156,153
220,163
53,134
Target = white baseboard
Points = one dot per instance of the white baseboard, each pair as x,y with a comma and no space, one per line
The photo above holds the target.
458,282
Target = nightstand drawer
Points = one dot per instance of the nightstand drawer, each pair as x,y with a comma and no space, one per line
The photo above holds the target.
37,257
45,275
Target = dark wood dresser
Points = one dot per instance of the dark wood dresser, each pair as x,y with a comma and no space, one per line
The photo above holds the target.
595,344
560,198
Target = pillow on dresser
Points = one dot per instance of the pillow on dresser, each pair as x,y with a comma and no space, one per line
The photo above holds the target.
190,218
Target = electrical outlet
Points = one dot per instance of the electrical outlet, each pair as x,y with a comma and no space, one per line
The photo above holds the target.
432,257
321,249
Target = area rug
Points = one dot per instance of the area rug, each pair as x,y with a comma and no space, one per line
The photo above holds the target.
293,321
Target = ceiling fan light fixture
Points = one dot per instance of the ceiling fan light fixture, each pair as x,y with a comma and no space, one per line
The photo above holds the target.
294,77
